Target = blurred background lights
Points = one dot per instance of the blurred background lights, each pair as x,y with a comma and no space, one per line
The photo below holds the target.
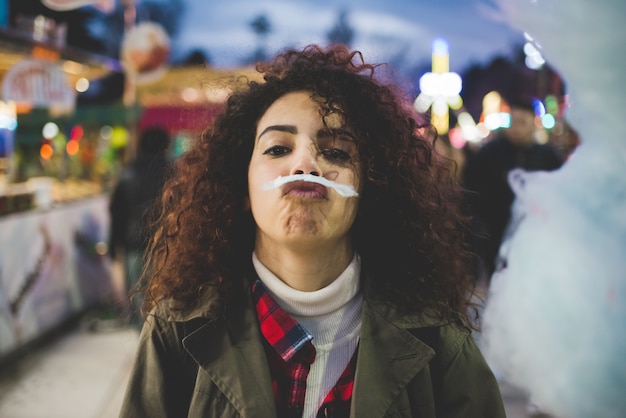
492,102
59,142
72,147
483,131
552,105
46,151
8,122
446,85
82,85
496,113
77,133
119,137
439,89
497,120
101,248
440,46
548,121
73,67
468,127
534,60
539,107
190,95
457,138
106,132
8,118
50,130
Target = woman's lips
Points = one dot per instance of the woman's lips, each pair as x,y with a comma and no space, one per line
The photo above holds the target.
305,189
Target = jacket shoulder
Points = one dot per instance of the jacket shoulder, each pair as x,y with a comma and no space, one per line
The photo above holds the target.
445,339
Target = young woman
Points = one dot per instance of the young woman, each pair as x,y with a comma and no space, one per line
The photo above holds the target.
309,261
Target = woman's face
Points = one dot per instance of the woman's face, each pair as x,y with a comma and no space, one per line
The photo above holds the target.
291,138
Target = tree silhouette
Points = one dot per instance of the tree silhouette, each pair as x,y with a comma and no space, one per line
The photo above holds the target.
196,58
341,33
261,27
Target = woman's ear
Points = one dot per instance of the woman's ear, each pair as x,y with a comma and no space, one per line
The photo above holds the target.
246,203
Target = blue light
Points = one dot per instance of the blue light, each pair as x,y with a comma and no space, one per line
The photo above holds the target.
440,46
8,122
539,107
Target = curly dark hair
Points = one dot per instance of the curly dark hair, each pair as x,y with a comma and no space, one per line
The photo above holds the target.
409,230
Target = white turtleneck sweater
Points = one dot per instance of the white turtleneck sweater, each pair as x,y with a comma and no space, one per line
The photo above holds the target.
332,315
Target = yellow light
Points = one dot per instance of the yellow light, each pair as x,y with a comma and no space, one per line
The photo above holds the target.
119,137
441,64
440,56
73,67
440,88
491,102
456,102
440,122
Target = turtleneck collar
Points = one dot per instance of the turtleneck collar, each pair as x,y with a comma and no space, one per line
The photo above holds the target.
320,302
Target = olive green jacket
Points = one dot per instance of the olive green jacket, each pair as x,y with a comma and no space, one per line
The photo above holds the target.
187,366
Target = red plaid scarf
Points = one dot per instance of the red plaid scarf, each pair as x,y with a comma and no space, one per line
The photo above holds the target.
290,354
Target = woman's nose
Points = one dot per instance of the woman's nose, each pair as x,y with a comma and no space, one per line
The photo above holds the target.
305,162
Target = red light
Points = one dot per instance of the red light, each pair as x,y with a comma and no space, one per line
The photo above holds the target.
456,138
77,133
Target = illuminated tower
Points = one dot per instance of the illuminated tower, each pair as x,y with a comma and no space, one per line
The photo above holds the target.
439,89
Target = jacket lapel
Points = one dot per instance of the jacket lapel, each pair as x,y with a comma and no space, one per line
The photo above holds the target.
389,357
234,358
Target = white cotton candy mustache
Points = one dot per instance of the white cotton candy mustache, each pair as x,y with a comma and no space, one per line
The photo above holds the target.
344,190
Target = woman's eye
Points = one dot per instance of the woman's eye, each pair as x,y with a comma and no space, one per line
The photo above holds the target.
276,150
336,155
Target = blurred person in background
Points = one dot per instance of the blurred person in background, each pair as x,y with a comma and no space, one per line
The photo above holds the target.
485,176
308,260
450,155
138,186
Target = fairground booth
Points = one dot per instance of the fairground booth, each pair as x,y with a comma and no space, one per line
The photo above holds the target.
69,121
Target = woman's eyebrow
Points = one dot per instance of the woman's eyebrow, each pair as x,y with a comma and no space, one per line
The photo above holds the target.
280,128
336,132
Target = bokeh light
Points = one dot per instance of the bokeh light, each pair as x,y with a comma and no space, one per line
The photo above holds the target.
46,151
50,130
72,147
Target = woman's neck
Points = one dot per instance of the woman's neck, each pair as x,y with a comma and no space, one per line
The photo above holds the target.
303,269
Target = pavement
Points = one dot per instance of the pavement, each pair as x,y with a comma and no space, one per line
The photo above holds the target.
82,373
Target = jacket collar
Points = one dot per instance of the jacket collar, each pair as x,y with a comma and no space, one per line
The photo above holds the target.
389,357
